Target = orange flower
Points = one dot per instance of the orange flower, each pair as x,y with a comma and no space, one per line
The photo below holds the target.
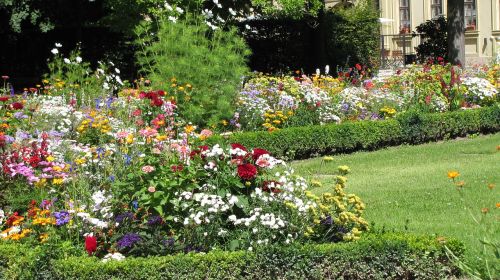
491,186
498,205
460,184
453,174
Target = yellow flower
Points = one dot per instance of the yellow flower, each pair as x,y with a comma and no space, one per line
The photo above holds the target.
328,158
316,184
189,128
44,221
130,139
344,169
50,158
57,181
43,237
453,174
491,186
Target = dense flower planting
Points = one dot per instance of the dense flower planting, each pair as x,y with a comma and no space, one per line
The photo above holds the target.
270,103
126,177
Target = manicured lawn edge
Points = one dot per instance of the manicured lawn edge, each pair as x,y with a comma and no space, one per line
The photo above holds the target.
407,128
375,256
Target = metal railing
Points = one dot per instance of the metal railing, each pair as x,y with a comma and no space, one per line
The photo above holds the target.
398,50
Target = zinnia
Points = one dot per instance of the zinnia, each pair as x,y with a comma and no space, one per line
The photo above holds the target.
90,244
238,146
256,153
17,106
148,169
247,171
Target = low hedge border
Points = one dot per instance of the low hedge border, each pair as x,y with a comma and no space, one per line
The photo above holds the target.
375,256
406,128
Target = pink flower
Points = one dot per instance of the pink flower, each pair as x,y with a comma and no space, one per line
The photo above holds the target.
263,162
205,133
148,169
151,189
122,135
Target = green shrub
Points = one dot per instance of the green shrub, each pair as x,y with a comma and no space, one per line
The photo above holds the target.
408,128
376,256
189,52
354,33
434,36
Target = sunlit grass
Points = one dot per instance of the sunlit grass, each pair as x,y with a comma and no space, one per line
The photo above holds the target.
407,188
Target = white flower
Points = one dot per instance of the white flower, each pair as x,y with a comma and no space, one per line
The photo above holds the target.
117,71
232,12
54,51
168,7
179,10
327,69
67,61
113,256
172,19
58,45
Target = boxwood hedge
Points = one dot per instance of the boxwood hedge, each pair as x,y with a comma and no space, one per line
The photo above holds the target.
406,128
376,256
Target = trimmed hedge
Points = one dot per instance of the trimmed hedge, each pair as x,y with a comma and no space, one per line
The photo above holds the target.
383,256
407,128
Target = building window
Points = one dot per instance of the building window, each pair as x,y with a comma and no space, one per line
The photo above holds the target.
436,8
470,14
404,16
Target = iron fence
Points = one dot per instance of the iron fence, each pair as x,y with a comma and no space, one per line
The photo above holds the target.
398,50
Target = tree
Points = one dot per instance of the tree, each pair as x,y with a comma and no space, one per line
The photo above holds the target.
456,32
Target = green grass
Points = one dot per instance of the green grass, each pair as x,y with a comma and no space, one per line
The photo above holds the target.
406,188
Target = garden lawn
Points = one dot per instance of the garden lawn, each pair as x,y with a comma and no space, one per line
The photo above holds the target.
406,188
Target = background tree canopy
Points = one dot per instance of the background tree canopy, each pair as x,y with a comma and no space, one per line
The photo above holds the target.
283,34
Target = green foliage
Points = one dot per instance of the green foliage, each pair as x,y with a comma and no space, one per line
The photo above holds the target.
434,36
213,62
412,127
26,11
289,8
353,32
387,256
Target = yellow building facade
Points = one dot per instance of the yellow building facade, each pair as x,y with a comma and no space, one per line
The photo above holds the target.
400,17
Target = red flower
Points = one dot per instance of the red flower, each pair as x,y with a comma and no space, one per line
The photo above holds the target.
17,106
177,168
247,171
90,244
256,153
161,93
440,59
157,102
358,66
4,98
198,152
238,146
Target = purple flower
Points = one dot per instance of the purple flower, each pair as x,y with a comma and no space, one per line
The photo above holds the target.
20,115
154,220
124,216
62,218
128,240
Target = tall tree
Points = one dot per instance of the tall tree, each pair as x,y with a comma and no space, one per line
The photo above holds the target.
456,32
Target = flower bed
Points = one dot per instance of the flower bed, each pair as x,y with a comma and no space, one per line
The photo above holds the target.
146,184
275,102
